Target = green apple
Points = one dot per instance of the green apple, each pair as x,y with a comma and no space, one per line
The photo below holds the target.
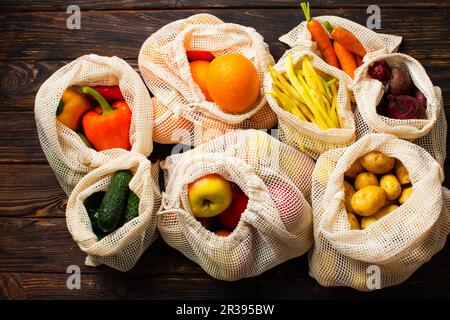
209,195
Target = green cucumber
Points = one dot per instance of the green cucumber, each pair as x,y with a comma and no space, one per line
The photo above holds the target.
132,210
92,203
111,211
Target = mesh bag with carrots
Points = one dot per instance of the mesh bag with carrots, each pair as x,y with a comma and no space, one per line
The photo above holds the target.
333,125
121,248
182,111
276,224
428,130
66,153
398,243
350,43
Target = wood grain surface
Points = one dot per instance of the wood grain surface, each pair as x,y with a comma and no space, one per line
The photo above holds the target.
35,245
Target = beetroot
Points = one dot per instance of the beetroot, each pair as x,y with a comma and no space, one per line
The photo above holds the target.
421,97
381,71
405,107
400,83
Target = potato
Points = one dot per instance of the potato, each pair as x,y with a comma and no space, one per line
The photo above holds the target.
355,169
368,200
390,184
366,221
385,210
349,192
354,223
401,172
365,179
406,193
377,162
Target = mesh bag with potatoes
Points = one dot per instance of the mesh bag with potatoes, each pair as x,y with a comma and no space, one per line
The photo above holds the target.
307,136
121,248
429,133
374,43
182,112
275,226
397,243
66,153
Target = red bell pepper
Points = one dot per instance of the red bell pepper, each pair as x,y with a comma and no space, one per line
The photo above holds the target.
110,93
109,127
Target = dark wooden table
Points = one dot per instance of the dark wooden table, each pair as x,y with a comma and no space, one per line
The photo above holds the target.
35,246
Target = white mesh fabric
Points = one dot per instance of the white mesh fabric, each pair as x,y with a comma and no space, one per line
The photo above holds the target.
430,133
122,248
400,242
276,225
306,136
66,153
184,113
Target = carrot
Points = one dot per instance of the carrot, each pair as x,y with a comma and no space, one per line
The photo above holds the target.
346,59
320,36
346,38
359,60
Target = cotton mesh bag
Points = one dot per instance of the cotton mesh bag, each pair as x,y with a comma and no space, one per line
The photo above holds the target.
307,136
121,248
397,244
277,223
374,43
183,112
66,153
429,133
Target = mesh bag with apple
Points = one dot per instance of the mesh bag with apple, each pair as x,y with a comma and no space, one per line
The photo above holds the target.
207,77
394,95
107,225
238,205
383,225
297,130
59,131
374,43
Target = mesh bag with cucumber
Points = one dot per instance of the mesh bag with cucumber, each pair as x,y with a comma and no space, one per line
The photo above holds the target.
396,235
111,212
273,225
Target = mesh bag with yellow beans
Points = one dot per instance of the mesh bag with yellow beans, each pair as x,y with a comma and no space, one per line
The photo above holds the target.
182,113
429,133
374,43
400,242
121,248
277,223
66,153
319,135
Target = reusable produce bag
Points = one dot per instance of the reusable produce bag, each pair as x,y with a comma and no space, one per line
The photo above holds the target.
374,43
66,153
400,242
183,114
276,225
430,133
122,248
307,136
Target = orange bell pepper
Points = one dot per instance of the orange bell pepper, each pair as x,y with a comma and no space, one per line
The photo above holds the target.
108,127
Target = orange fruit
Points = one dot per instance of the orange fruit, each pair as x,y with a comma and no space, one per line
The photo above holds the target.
233,83
199,69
